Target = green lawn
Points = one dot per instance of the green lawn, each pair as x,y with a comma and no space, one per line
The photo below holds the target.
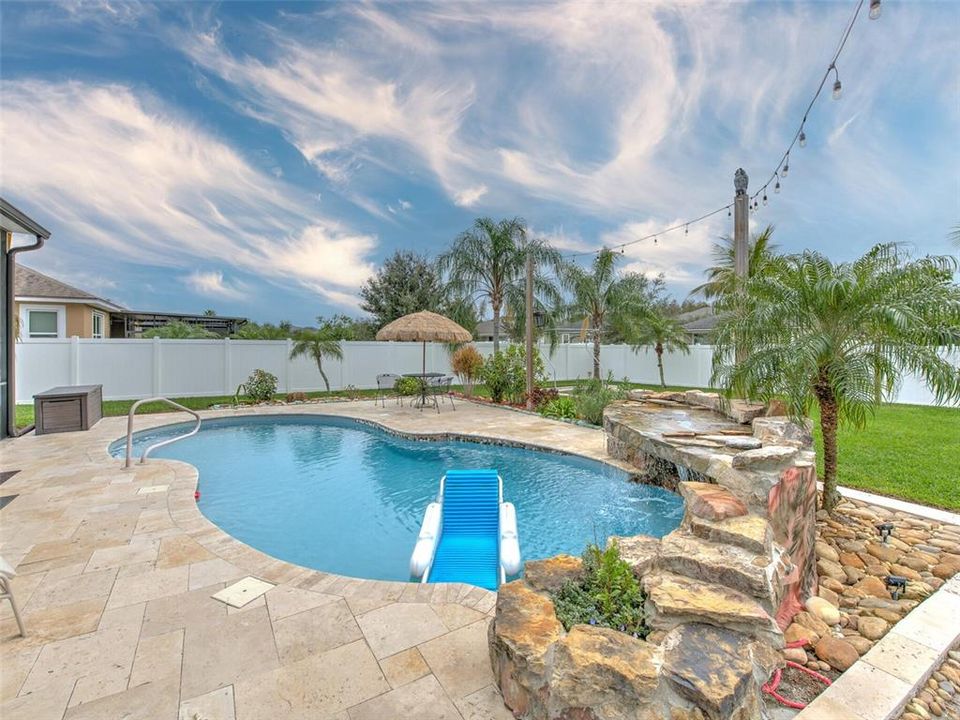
906,451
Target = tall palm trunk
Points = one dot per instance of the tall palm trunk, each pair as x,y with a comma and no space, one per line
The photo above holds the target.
596,354
496,327
658,348
828,428
326,382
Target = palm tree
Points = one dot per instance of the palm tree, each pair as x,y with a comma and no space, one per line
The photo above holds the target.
721,278
606,299
179,330
487,262
814,331
664,333
313,344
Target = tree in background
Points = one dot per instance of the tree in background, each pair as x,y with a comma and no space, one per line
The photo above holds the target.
663,333
811,331
606,300
179,330
721,278
209,313
344,327
266,331
406,283
487,263
313,344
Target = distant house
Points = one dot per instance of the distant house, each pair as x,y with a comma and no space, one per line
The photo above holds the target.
699,324
566,333
48,309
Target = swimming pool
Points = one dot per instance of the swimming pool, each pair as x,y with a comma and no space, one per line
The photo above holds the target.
341,496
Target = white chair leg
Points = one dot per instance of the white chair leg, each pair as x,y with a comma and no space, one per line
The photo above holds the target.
8,595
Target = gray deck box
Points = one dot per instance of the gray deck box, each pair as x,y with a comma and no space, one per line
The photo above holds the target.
62,409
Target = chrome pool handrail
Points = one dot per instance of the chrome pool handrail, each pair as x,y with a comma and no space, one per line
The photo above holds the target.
133,410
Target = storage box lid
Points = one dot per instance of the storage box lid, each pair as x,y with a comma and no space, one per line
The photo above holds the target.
68,391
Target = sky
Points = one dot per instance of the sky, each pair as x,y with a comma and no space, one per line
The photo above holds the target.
262,159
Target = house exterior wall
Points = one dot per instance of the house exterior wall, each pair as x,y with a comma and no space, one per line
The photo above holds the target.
76,318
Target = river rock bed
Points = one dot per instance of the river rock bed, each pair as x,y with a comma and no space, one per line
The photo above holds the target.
940,697
853,564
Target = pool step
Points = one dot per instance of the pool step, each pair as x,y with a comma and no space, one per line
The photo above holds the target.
749,573
750,532
676,599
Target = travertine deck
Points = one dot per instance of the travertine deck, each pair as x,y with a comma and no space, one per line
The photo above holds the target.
115,588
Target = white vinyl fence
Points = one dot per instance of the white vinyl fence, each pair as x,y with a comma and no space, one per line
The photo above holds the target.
130,369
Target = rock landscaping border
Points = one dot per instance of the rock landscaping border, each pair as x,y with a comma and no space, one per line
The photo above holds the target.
888,677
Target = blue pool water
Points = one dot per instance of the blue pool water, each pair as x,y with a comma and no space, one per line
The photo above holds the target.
343,497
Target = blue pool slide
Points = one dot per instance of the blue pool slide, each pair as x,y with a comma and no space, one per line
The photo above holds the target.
469,535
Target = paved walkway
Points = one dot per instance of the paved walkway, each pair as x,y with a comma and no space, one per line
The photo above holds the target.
117,568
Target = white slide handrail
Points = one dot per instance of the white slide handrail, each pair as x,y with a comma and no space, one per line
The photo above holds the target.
133,410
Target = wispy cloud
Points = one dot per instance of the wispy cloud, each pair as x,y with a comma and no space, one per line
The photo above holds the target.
122,171
212,284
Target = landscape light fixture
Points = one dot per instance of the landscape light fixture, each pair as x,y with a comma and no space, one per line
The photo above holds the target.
837,87
885,529
875,9
897,585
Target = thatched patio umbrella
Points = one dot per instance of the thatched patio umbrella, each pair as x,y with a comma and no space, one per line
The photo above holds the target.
424,326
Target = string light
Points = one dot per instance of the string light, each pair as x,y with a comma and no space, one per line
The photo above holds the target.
837,87
782,168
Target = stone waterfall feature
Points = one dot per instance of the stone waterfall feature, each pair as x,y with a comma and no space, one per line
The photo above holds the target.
719,590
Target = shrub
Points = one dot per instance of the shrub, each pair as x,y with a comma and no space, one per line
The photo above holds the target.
505,373
541,396
467,363
295,397
593,395
406,386
261,385
609,595
560,408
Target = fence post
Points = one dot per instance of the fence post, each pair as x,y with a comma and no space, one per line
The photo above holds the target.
155,385
288,348
227,365
74,360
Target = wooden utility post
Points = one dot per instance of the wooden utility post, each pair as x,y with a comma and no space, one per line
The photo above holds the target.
741,223
529,333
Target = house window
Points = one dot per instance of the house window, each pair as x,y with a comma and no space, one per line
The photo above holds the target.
42,323
98,320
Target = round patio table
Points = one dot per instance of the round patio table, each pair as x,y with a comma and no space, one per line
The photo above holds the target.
424,380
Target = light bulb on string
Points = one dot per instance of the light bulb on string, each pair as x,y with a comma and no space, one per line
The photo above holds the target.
837,86
875,9
686,229
786,166
654,239
764,198
776,188
802,140
728,211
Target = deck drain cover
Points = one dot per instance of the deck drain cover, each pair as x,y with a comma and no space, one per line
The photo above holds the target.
242,592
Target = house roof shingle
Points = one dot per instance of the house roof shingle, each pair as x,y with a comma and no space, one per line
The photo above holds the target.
28,283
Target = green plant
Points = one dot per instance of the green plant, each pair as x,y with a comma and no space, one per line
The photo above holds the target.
317,346
467,362
663,333
406,386
591,396
840,336
487,262
179,330
762,257
608,595
560,408
541,396
261,385
505,373
352,392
